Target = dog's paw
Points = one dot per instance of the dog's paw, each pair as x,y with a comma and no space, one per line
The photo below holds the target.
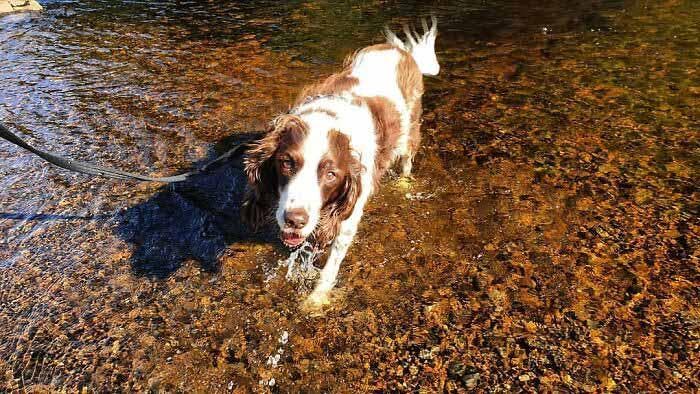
315,302
405,183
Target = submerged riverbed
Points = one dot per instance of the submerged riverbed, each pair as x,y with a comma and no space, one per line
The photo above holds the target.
549,240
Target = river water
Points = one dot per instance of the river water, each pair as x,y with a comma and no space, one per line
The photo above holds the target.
548,242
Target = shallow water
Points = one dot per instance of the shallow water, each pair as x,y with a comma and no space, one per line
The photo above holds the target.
549,240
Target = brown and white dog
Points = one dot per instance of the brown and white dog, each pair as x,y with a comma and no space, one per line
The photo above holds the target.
319,163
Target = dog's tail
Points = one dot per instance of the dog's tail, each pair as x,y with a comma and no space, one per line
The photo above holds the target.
421,47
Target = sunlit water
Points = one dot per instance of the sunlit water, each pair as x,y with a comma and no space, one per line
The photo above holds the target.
549,240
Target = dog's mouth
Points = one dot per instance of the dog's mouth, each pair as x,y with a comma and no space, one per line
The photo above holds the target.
292,239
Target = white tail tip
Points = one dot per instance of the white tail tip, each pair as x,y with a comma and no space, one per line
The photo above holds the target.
421,46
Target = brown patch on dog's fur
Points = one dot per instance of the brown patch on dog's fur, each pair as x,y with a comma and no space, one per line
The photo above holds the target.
410,79
339,197
343,81
378,47
328,112
387,124
350,59
333,85
414,131
285,134
386,117
289,149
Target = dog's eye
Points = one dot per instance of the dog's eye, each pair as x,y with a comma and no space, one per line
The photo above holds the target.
287,164
330,176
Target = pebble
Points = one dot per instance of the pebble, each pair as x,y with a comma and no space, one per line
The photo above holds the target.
284,338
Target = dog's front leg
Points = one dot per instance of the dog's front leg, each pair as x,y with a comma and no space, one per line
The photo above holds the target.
339,248
329,272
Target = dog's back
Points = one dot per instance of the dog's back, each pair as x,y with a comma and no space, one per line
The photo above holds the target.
395,71
389,77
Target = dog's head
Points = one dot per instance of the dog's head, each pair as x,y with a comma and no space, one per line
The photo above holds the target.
306,175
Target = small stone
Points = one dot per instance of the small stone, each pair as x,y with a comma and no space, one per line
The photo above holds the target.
115,348
284,338
153,383
273,360
524,378
399,235
530,326
403,183
467,374
426,354
471,380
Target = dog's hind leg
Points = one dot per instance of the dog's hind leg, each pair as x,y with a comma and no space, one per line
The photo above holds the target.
406,158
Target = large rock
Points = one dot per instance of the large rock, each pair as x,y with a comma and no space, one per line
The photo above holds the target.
7,6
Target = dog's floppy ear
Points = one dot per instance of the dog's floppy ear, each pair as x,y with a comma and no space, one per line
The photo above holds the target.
263,182
343,206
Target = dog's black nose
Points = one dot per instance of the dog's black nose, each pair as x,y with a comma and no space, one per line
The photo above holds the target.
296,218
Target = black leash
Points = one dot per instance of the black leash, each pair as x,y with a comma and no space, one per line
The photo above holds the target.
91,169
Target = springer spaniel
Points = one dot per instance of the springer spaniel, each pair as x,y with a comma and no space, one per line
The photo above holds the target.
318,164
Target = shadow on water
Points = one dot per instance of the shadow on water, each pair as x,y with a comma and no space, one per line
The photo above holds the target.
195,219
